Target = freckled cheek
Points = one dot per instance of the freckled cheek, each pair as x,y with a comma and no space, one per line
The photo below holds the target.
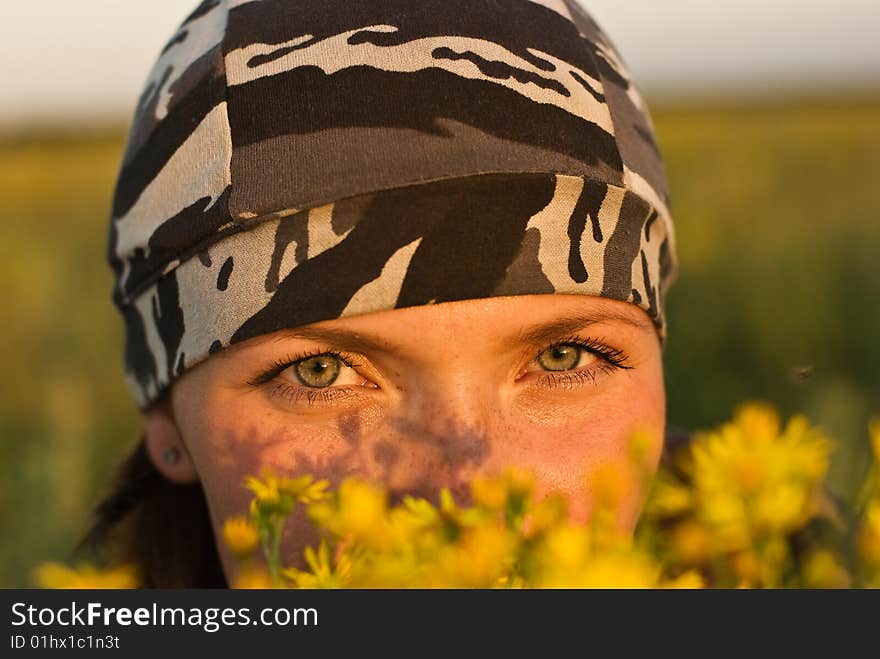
233,440
229,449
234,453
560,457
564,455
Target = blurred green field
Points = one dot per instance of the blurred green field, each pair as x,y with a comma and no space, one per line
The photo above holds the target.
776,208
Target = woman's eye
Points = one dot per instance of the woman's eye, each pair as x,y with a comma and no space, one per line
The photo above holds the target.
563,357
567,364
322,371
318,371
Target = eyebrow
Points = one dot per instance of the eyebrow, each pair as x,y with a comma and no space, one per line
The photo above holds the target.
344,339
532,335
544,332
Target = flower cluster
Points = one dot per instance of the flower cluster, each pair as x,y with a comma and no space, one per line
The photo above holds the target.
274,499
744,505
869,526
505,539
739,499
56,575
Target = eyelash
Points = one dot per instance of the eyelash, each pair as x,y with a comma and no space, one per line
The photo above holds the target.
292,394
280,365
613,358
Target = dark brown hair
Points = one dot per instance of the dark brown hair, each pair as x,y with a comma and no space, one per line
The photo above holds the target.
161,528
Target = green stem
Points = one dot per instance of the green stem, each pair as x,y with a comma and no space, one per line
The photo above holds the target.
273,557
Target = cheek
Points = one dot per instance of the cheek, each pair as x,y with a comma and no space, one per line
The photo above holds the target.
576,449
230,440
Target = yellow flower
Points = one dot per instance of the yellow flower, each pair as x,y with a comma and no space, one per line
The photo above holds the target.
822,570
727,516
322,574
624,569
265,490
782,509
358,509
252,578
750,478
389,570
869,538
56,575
478,560
547,513
416,511
510,493
691,543
747,568
519,481
690,580
240,536
642,448
275,495
609,484
874,431
773,558
809,450
489,493
564,548
669,498
304,489
758,420
362,507
447,503
511,581
749,473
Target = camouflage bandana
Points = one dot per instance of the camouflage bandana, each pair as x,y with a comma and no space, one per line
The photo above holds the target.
293,161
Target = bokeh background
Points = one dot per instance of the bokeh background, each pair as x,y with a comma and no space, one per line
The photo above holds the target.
768,115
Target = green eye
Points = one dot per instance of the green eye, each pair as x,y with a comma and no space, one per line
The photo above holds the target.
318,371
560,357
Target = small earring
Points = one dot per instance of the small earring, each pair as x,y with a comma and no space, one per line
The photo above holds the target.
171,455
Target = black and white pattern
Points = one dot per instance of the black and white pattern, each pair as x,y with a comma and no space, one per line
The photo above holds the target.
408,152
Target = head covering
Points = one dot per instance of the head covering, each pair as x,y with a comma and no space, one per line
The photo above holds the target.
292,161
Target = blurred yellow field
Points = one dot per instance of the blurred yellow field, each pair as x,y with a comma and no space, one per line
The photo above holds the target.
776,211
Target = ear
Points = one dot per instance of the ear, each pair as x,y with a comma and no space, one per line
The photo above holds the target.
165,445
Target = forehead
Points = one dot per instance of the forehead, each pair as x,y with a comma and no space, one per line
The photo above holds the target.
505,321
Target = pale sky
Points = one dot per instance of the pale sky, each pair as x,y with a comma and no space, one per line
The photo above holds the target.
81,58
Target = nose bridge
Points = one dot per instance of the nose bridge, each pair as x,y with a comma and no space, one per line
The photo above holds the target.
447,419
458,382
457,388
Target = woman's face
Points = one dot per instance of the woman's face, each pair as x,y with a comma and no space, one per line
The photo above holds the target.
421,398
